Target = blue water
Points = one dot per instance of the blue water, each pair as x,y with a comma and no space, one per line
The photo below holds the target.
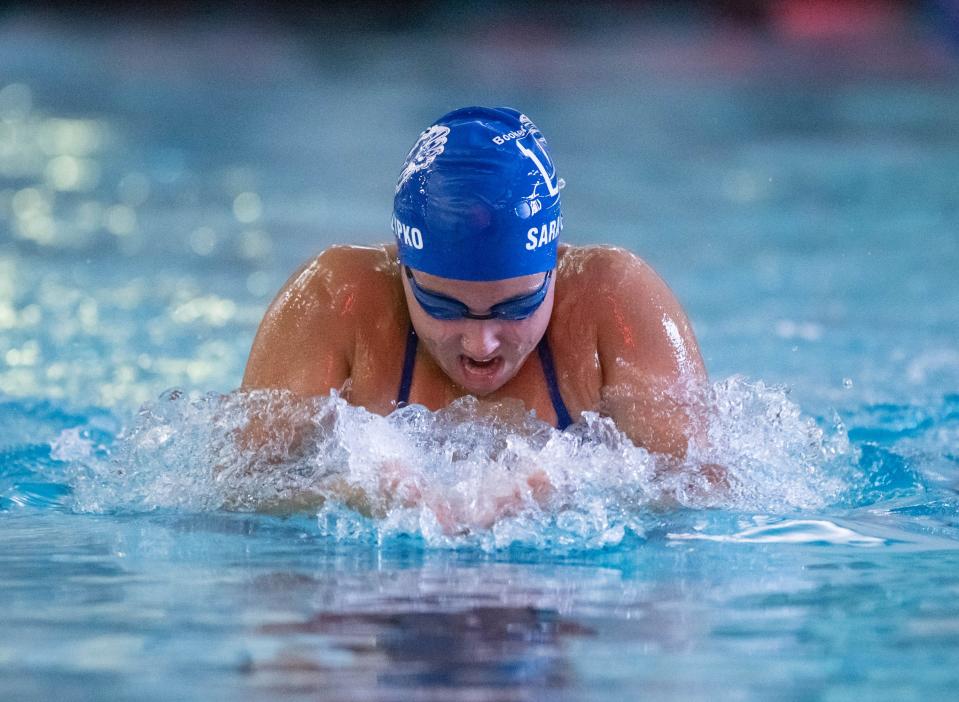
159,182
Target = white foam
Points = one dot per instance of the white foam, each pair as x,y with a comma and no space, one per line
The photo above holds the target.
474,473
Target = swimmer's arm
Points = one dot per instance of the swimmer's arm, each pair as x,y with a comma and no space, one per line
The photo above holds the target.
302,349
653,372
306,339
279,442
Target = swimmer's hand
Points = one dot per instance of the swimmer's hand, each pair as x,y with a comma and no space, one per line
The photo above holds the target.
705,483
456,513
459,517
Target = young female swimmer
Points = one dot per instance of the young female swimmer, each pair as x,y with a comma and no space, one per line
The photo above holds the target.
477,296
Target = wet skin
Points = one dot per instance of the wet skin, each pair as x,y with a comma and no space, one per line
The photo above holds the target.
480,356
621,342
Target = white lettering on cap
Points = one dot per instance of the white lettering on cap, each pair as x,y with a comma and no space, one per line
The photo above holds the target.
543,235
407,235
501,139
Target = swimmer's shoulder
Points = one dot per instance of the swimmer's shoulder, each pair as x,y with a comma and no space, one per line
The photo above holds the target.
601,269
332,296
617,290
344,280
637,318
349,264
308,338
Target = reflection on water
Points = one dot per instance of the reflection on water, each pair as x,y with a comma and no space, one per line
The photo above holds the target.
479,648
261,608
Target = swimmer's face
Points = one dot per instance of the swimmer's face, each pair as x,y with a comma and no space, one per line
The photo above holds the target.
480,355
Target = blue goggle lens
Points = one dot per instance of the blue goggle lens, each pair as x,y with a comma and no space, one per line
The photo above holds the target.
448,308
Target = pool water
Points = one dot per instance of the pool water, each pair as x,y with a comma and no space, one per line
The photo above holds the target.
159,182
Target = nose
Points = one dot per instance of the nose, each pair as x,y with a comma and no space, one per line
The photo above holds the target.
480,339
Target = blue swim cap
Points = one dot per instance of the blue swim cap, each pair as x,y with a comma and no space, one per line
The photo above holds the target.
478,198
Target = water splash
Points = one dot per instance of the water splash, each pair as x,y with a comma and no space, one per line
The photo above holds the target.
30,465
471,474
779,459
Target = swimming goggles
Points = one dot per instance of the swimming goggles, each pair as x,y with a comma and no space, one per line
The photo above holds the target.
448,308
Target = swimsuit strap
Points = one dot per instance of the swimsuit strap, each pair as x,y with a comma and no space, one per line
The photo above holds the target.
409,360
563,419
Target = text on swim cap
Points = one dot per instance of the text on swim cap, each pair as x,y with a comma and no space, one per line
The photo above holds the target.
541,236
407,235
503,138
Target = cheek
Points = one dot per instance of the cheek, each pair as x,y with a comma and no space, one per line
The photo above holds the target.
426,327
539,322
434,334
524,336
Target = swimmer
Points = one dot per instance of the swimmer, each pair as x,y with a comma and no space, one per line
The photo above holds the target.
478,295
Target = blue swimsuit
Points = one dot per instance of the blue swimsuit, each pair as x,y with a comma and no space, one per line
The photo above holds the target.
563,419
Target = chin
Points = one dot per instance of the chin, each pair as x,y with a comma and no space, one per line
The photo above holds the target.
480,389
483,392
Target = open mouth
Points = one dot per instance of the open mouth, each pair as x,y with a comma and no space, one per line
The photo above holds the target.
480,369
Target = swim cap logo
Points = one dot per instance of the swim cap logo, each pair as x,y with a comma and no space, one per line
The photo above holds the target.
430,145
528,125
